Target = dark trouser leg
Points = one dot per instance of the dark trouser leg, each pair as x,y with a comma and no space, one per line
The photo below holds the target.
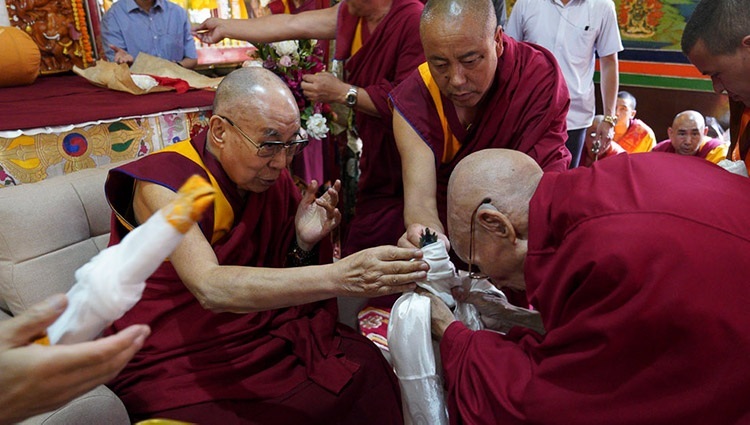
575,145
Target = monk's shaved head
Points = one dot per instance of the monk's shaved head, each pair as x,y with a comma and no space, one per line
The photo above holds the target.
447,12
249,88
509,178
689,116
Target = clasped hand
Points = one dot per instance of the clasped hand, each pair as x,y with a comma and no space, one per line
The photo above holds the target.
317,217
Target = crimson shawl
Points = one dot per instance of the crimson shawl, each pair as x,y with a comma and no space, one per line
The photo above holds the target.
194,355
524,110
638,266
387,56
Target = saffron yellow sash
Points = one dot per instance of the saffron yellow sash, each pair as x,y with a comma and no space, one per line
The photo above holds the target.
451,145
743,127
223,212
357,42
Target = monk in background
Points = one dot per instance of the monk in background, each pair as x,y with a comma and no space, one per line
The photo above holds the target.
688,136
379,40
642,289
478,89
716,39
632,134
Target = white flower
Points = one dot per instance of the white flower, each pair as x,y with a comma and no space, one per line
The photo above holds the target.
316,126
286,48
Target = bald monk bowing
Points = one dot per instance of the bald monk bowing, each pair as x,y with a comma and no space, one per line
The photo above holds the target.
642,289
478,89
688,136
244,326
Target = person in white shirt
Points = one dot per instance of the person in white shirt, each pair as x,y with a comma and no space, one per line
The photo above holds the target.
575,31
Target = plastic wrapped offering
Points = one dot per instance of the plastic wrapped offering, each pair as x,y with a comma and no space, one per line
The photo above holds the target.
112,282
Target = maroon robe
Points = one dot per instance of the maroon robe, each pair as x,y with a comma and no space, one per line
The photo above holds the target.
386,57
638,267
524,110
666,146
196,356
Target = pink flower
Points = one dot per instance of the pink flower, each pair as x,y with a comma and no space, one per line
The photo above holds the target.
285,60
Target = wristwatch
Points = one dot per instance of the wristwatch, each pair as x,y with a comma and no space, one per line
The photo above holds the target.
612,119
351,97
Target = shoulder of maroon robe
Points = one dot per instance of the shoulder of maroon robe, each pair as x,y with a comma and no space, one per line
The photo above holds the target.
525,110
392,52
664,146
171,171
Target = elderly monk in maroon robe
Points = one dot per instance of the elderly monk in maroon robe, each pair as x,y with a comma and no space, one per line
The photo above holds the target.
716,39
688,136
239,334
379,40
642,289
478,89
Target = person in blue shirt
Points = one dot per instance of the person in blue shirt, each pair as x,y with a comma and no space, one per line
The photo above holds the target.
157,27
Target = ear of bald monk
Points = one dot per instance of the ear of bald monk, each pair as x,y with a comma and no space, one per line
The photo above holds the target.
38,378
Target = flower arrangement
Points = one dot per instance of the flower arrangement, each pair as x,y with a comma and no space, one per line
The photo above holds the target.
291,60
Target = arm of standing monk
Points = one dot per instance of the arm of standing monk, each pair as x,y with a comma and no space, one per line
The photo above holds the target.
610,81
420,181
373,272
314,24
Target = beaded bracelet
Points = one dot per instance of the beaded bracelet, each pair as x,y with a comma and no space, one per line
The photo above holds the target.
298,257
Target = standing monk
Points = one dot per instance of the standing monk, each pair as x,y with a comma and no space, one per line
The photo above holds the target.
241,332
478,89
717,41
379,39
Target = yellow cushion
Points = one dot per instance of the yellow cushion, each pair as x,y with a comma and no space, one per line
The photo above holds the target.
19,58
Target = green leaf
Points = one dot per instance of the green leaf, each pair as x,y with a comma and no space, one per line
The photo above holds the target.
122,147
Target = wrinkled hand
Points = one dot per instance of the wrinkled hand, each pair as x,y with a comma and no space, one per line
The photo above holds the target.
121,56
605,133
440,315
410,238
324,87
497,313
382,270
317,217
37,378
210,31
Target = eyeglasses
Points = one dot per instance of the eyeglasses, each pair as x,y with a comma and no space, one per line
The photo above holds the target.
477,274
272,148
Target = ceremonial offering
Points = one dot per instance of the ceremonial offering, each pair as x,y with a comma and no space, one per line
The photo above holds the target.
113,281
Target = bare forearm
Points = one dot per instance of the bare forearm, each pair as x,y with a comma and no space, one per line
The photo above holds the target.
610,82
280,27
365,104
242,289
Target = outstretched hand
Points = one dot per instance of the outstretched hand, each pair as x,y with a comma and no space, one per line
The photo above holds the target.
210,31
37,378
605,132
410,238
382,270
317,217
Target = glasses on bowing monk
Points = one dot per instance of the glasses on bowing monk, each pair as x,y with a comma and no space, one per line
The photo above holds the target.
272,148
476,274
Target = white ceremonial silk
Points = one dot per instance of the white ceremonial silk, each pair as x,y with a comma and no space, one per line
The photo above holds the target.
113,281
442,274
